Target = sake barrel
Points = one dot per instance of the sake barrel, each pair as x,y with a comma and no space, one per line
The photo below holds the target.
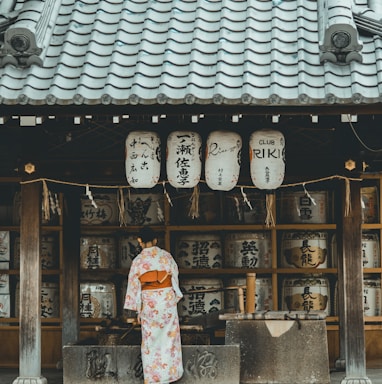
5,305
248,250
105,212
129,249
4,282
306,294
267,158
372,296
263,296
369,247
298,207
97,300
198,250
200,303
97,252
4,246
370,250
144,209
50,300
49,255
370,204
223,159
143,159
183,159
306,249
238,211
208,208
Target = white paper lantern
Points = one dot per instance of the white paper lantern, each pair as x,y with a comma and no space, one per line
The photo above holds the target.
267,158
183,162
223,157
143,158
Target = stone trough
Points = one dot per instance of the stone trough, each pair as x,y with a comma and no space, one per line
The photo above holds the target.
109,364
280,347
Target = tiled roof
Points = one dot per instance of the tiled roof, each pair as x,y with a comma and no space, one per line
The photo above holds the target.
254,52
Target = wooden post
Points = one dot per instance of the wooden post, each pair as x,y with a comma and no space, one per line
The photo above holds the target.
71,263
351,284
30,286
251,292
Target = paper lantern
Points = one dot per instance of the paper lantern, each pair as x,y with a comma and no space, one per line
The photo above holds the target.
267,158
143,158
183,159
223,157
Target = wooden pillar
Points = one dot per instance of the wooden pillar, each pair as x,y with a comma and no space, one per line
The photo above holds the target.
30,286
350,275
71,262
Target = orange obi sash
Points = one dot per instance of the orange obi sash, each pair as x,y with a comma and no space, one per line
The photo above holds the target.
155,280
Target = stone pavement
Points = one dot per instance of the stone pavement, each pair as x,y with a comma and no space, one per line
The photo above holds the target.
54,376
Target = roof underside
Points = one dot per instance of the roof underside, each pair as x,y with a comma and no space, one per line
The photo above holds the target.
251,52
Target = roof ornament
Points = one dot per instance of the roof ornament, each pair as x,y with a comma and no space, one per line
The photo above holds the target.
338,36
369,18
8,15
26,39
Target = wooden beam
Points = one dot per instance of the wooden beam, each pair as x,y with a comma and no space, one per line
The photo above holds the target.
351,283
30,285
71,263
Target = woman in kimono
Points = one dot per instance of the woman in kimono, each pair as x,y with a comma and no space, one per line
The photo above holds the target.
153,291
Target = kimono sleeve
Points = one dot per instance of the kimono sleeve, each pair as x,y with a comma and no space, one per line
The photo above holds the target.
133,292
175,279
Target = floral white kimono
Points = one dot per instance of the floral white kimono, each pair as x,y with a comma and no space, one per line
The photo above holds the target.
161,345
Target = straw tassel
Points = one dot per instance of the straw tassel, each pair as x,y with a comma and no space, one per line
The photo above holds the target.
194,206
269,202
45,201
347,198
121,207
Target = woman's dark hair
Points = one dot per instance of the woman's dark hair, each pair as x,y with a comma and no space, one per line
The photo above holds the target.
147,234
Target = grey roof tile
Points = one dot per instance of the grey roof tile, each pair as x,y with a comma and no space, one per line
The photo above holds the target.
185,52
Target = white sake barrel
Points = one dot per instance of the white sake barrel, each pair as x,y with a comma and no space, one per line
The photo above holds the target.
248,250
5,305
372,297
370,204
306,294
49,255
4,246
129,249
200,303
98,300
371,255
307,249
98,252
223,159
106,212
144,208
369,248
183,159
143,159
298,207
267,158
198,250
238,211
50,300
263,296
4,280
